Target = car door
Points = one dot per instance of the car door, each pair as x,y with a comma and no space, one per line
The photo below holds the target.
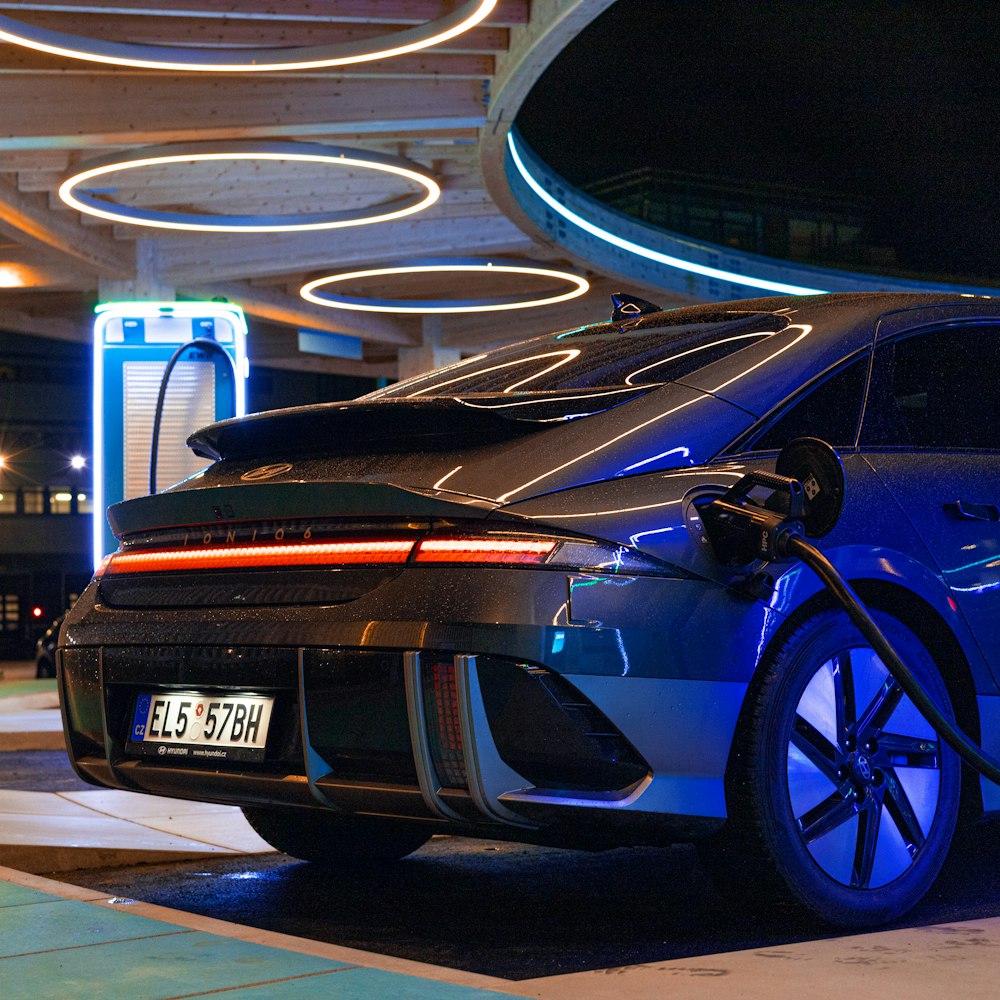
931,431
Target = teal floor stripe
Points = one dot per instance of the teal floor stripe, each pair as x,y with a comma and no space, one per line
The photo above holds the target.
72,949
152,968
66,923
18,895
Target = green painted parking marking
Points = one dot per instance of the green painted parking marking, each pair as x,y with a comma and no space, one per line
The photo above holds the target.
70,923
71,948
154,968
16,689
18,895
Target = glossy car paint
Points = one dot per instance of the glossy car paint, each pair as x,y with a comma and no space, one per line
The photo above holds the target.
667,657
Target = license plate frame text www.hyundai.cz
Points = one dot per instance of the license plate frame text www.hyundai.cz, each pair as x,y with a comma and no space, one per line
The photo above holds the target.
196,726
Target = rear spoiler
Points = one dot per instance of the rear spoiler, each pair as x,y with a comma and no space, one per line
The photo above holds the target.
332,429
216,505
398,425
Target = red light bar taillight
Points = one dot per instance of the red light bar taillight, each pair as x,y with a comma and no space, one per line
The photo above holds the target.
442,549
485,550
255,556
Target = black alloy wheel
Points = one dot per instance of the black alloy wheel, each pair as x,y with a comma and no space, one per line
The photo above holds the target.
848,789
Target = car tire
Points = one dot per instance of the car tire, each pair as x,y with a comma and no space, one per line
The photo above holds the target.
331,839
841,796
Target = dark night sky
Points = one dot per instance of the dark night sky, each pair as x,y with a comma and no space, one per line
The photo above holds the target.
895,102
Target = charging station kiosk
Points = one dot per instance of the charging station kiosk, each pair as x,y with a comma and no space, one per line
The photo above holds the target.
133,343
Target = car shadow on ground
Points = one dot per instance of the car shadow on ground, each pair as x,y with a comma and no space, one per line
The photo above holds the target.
523,912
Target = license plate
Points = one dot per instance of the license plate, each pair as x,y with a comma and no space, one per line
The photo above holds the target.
200,726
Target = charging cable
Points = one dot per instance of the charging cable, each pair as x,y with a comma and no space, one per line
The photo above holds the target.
201,344
795,545
742,530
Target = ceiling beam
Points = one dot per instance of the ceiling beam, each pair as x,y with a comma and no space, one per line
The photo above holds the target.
18,319
177,186
288,310
506,13
28,219
132,111
554,24
188,260
432,63
204,33
327,366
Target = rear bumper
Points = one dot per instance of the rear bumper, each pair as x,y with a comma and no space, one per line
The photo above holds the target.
662,669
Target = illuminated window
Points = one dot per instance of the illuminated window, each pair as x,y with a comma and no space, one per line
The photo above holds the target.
10,612
60,501
34,501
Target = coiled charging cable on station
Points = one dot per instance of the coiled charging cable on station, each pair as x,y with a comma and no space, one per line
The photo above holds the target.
201,344
808,503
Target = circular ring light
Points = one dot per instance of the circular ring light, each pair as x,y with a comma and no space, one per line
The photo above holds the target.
74,190
455,266
271,60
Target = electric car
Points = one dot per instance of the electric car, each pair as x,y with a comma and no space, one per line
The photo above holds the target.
483,601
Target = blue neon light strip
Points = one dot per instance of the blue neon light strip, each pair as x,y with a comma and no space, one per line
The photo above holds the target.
641,251
97,450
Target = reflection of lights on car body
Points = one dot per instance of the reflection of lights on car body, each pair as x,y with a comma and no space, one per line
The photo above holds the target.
693,350
565,356
643,426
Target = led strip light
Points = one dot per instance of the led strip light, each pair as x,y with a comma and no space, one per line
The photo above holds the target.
255,556
366,551
641,251
298,152
260,60
312,290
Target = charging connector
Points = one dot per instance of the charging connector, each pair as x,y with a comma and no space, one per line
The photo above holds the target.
743,529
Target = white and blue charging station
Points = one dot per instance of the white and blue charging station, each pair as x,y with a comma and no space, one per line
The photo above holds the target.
133,343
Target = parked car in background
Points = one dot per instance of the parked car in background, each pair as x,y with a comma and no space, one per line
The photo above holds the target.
45,649
481,601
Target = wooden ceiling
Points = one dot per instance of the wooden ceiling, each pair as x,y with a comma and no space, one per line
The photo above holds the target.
447,109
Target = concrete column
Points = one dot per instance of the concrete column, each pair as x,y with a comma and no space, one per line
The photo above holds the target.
430,354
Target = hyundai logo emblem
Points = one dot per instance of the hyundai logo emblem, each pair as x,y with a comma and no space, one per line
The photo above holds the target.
266,472
864,768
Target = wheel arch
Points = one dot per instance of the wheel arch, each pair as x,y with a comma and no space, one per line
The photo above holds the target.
921,618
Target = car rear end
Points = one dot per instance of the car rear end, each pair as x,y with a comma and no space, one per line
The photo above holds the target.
408,668
346,612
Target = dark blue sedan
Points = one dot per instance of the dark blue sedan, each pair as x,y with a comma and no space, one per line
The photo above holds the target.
482,601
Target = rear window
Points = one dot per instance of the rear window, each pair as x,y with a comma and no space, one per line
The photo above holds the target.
601,357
